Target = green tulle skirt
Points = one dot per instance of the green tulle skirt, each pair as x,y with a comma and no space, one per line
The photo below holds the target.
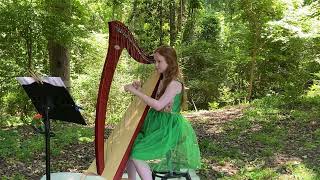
167,142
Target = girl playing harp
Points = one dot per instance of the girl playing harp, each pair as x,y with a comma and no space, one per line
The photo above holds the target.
166,141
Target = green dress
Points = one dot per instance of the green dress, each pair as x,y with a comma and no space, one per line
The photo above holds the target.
167,141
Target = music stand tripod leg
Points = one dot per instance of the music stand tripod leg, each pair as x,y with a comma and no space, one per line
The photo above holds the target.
47,138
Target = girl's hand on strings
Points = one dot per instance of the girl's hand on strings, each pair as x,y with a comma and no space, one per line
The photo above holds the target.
135,86
129,88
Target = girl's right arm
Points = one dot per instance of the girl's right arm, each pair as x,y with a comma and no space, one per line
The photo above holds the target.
164,100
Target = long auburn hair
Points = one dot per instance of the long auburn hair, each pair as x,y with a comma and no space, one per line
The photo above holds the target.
172,72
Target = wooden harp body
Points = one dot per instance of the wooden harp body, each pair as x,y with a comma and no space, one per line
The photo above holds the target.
112,154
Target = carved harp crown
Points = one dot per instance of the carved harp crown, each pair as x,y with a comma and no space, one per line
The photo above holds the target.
119,38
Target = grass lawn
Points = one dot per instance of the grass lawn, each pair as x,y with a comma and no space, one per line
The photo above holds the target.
271,138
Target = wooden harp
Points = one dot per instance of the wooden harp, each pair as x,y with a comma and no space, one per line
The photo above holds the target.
112,155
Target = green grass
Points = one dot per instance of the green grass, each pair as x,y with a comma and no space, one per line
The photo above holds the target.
13,145
254,173
15,177
23,144
248,146
269,128
20,144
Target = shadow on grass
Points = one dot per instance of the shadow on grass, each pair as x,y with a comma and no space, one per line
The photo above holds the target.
273,138
22,150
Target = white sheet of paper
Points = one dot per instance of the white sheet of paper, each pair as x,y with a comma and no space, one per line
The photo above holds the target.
56,81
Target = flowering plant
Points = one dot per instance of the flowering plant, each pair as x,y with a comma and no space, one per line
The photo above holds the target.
37,123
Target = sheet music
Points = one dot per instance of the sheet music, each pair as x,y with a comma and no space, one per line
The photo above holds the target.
56,81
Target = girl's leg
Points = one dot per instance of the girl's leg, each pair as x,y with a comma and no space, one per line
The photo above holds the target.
131,169
143,169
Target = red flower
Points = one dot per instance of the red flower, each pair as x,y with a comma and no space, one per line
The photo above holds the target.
37,116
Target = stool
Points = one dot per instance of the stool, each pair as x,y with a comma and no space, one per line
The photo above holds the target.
169,175
172,173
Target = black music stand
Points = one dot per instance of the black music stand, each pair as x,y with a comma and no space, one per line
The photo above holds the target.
52,101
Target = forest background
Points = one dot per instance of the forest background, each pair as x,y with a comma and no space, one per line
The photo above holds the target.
231,53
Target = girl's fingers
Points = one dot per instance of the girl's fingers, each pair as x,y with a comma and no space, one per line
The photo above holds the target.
136,84
127,87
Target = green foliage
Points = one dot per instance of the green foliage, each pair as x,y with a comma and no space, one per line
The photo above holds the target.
25,29
215,42
226,50
66,21
144,22
213,105
210,29
87,78
188,33
16,100
202,56
314,90
195,4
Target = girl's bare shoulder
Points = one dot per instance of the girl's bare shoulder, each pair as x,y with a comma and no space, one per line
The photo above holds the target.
176,85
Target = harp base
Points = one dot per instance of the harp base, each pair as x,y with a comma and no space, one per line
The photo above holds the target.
81,176
72,176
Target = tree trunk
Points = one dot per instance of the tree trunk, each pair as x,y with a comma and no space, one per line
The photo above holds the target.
183,10
255,28
172,21
179,17
59,62
252,73
160,22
